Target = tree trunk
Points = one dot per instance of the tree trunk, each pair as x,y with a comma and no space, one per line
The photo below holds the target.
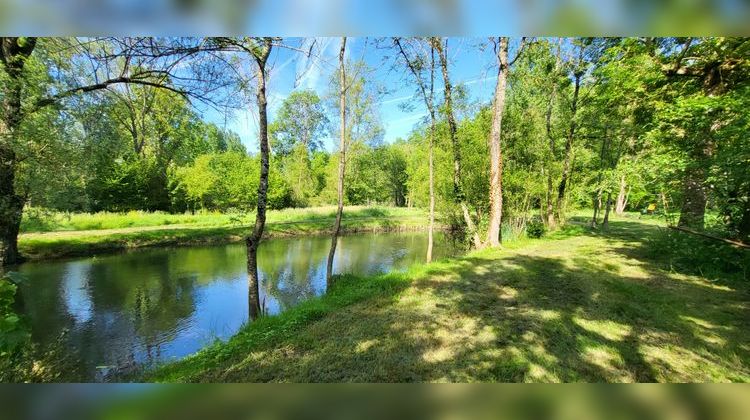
431,229
560,205
549,213
430,233
605,223
744,226
431,158
11,210
457,188
694,191
598,196
253,241
13,55
694,200
596,202
496,156
621,201
342,162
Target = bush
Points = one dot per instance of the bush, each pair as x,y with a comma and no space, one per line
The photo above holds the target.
535,228
691,254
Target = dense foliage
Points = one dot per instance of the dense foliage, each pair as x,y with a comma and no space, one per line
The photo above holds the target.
617,124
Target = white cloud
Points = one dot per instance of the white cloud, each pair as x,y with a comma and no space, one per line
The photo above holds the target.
400,121
399,99
312,68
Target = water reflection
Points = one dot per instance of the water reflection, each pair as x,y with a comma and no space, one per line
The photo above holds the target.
166,303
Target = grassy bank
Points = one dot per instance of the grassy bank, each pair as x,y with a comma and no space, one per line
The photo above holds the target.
578,305
110,232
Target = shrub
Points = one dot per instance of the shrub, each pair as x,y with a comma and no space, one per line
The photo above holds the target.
535,228
691,254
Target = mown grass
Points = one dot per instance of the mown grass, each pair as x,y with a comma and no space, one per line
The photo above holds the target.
578,305
134,232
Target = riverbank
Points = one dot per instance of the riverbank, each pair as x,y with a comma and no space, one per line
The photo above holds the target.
579,305
147,231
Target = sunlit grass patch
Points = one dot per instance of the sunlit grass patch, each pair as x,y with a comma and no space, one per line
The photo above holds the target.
610,330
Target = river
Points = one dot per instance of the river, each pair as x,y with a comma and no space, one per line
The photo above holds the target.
159,304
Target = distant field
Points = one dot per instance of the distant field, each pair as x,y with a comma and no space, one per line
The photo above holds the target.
67,235
40,220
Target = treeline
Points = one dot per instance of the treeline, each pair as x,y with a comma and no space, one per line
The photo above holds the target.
145,148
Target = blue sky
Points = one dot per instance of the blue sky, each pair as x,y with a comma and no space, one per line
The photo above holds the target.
471,66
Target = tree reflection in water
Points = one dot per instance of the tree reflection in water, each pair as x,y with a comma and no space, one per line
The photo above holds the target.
159,304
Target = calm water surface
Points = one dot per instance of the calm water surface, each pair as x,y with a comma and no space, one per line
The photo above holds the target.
165,303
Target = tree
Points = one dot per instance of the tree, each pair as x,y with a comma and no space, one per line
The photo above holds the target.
496,157
458,192
295,134
342,161
578,69
701,77
549,215
27,90
415,61
300,120
259,49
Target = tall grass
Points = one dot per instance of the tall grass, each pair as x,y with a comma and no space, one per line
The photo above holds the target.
42,220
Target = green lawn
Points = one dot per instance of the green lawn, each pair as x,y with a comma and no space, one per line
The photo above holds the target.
138,229
580,305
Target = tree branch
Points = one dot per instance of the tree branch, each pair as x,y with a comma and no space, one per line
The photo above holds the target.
51,100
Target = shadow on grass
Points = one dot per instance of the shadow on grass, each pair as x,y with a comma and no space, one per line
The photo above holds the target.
674,251
585,321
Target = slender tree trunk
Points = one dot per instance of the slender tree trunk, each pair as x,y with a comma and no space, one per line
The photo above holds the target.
429,102
431,158
549,213
253,241
596,203
458,191
560,205
621,200
430,233
342,162
496,156
605,223
541,206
